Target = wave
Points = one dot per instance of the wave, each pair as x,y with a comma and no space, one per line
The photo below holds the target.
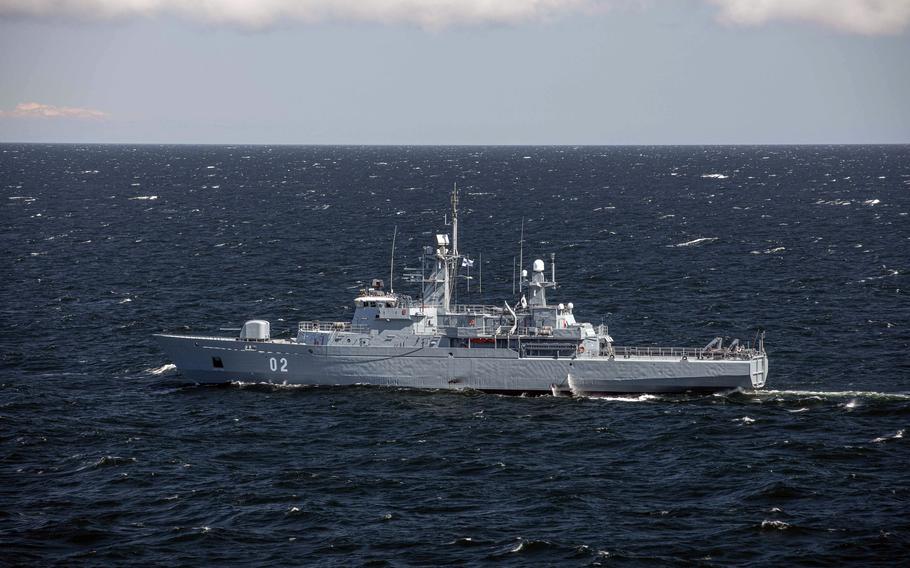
714,176
162,369
896,436
694,242
774,525
891,272
144,198
835,394
267,385
774,250
108,461
630,398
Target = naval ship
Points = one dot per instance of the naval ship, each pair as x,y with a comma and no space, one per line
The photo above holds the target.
532,346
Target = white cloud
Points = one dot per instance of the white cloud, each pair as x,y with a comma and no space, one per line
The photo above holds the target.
871,17
265,13
868,17
39,110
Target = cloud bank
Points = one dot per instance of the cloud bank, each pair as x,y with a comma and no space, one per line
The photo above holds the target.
39,110
265,13
869,17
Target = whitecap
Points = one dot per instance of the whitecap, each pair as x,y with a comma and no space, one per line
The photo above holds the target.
694,242
896,436
779,525
162,369
871,202
144,198
714,176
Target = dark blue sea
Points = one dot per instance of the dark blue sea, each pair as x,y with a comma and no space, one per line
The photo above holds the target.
106,459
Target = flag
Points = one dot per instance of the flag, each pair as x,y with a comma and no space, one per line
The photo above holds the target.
467,263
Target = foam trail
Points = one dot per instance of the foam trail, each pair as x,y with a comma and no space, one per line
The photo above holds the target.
837,394
635,398
261,384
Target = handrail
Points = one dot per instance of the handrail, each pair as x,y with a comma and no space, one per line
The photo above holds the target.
342,326
621,352
476,309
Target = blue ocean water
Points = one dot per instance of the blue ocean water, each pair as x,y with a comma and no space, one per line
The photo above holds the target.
106,459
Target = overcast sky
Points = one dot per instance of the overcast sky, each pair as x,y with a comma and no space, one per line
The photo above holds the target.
455,71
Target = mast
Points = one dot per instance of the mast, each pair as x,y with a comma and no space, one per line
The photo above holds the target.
553,267
392,262
521,251
455,220
452,275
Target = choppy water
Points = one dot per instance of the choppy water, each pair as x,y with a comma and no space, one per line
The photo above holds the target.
106,460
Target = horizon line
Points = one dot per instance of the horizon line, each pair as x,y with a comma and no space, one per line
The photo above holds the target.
454,145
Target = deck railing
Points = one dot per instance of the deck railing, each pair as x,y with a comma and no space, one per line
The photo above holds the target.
623,352
341,326
476,309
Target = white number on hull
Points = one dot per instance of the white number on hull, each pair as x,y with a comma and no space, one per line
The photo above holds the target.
278,364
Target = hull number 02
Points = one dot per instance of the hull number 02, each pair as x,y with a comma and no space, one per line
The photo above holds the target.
278,364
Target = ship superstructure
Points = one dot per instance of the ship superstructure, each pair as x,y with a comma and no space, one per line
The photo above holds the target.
529,346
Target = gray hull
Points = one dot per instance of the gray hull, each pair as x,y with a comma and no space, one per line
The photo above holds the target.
222,360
